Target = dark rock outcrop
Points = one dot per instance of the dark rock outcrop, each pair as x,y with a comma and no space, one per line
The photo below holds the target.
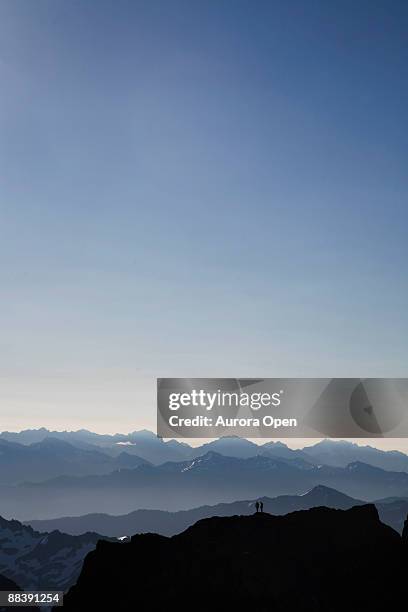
315,560
405,531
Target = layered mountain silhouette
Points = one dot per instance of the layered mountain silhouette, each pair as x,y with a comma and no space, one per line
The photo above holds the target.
340,453
320,559
391,511
53,457
36,560
210,479
171,523
141,443
91,477
152,449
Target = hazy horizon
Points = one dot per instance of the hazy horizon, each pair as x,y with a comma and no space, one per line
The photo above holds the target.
400,444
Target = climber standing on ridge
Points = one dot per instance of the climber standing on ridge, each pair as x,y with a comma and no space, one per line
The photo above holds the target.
261,506
257,506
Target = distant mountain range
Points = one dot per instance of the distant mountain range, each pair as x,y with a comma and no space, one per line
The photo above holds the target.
341,453
37,560
47,474
102,484
141,443
147,446
53,457
320,559
210,479
392,512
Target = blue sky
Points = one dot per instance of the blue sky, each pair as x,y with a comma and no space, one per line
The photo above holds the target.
197,188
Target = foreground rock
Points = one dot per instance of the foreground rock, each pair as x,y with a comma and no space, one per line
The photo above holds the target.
315,560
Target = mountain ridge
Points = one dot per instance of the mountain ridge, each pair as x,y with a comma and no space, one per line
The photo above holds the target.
170,523
42,560
210,479
155,450
320,559
52,457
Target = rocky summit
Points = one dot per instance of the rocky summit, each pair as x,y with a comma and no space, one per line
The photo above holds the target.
314,560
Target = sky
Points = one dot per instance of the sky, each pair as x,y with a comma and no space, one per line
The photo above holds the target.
197,188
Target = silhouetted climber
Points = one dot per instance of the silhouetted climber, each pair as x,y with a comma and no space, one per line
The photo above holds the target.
405,530
257,506
261,506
